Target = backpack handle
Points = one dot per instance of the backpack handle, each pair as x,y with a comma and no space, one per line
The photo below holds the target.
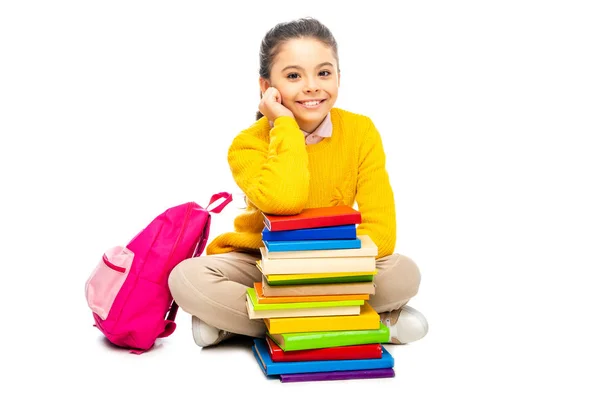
221,195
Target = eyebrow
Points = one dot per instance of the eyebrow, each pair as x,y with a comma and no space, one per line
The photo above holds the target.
302,69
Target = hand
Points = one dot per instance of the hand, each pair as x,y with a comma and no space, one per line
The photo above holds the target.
270,105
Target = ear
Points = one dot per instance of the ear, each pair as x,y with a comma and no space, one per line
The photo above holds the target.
339,77
264,84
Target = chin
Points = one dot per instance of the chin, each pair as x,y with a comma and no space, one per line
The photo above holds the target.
311,116
311,120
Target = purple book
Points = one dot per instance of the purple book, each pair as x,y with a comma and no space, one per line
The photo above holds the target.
338,375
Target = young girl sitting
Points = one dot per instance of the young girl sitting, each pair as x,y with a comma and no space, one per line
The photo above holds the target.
300,153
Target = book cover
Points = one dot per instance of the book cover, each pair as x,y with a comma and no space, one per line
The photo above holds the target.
355,352
318,289
314,278
313,218
298,246
362,277
366,248
262,299
323,339
324,233
315,265
367,319
293,277
270,367
338,375
299,305
299,312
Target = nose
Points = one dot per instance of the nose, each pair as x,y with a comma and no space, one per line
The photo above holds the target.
311,86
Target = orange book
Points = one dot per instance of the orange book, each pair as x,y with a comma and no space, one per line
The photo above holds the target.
262,299
313,218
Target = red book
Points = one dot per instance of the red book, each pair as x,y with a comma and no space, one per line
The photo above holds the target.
357,352
313,218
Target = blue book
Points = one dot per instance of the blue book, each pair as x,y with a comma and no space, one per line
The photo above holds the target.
262,355
298,245
325,233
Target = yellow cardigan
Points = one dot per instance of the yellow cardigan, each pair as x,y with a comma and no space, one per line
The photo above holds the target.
280,174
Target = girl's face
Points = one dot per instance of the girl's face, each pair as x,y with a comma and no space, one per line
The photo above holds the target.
305,72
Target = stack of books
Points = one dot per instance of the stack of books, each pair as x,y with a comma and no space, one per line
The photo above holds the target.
317,276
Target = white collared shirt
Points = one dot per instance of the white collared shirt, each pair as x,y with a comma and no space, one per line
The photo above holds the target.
323,131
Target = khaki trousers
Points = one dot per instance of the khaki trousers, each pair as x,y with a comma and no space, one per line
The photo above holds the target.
213,288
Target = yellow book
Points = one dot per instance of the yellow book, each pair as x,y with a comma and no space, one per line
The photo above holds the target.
253,313
367,319
293,277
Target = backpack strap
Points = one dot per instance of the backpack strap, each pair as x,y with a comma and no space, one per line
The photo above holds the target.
170,324
221,195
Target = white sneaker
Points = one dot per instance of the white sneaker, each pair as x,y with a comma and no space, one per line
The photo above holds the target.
206,335
406,325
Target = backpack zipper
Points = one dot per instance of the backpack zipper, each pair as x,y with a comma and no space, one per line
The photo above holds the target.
111,265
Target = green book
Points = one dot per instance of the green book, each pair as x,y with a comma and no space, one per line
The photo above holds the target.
310,304
313,281
324,339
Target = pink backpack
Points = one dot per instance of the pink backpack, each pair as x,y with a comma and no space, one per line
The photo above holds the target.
128,291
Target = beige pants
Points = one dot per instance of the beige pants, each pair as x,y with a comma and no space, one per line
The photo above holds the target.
213,288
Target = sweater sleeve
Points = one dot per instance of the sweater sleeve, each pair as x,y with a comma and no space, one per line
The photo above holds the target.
374,194
273,175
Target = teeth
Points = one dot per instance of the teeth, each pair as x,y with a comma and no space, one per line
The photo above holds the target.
311,103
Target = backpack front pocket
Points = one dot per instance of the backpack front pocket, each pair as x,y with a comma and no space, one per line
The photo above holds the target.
106,280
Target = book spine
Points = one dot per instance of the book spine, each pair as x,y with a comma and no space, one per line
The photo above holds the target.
308,299
353,279
317,289
340,232
317,265
316,222
334,324
305,312
322,340
262,299
338,375
357,352
251,292
300,343
316,247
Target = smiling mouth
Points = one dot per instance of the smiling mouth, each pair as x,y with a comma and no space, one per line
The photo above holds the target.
311,103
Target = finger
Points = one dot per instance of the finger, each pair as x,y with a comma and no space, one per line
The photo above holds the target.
277,95
268,95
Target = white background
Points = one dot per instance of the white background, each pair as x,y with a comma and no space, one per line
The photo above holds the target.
112,111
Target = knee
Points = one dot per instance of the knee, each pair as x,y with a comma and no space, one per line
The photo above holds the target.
187,278
407,276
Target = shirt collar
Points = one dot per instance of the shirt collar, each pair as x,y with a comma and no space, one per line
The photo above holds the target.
324,130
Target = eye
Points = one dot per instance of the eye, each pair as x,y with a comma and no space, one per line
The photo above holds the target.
293,75
324,73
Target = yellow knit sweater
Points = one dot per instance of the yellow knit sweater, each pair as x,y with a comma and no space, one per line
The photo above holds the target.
280,174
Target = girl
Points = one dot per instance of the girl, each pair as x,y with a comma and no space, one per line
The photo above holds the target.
300,153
